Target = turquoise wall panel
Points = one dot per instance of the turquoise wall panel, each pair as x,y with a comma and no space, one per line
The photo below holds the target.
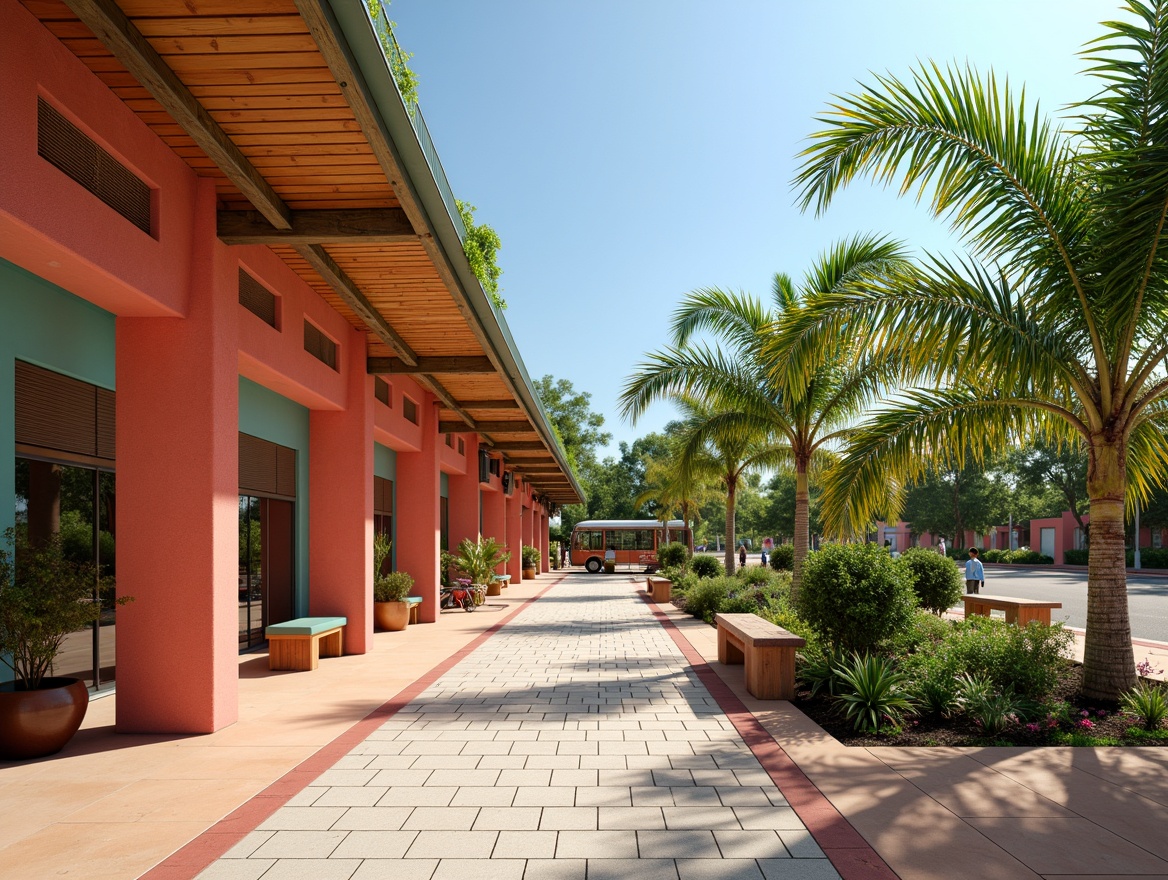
264,413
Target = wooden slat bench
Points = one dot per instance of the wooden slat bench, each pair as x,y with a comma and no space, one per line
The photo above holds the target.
660,589
415,602
768,652
1019,611
298,644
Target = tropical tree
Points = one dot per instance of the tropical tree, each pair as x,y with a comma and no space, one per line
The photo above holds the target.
748,388
1054,326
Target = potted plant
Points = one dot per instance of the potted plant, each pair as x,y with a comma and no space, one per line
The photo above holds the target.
479,559
390,612
530,561
44,597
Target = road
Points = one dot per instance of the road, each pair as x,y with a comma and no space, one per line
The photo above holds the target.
1147,596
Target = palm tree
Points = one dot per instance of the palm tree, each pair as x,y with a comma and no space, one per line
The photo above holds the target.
671,488
749,388
716,445
1055,326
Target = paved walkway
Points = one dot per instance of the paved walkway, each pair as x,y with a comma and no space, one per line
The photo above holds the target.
577,741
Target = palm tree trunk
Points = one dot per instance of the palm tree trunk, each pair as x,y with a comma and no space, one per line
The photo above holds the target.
731,497
801,539
1108,662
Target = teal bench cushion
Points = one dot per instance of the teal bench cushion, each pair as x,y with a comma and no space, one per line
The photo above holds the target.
413,600
305,626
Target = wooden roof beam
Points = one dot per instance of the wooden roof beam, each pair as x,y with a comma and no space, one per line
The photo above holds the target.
490,404
519,445
348,290
118,34
450,365
359,226
488,427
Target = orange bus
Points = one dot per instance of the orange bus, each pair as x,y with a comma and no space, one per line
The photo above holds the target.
630,541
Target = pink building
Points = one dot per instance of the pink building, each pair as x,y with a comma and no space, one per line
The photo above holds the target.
239,334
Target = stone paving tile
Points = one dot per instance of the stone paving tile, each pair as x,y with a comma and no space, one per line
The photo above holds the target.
574,744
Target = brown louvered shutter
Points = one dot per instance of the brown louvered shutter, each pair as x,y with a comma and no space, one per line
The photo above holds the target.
382,496
266,468
56,414
257,299
285,471
71,150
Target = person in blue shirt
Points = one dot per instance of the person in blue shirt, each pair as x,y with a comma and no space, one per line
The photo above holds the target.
974,573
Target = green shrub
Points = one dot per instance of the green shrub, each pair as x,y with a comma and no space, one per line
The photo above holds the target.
936,580
924,632
1027,659
1024,557
993,556
872,691
1148,703
707,567
706,597
936,696
783,557
990,708
673,555
744,602
392,587
756,575
855,595
1078,557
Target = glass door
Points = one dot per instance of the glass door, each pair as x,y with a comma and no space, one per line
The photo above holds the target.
266,567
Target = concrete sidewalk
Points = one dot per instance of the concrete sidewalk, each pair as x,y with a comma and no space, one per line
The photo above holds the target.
633,719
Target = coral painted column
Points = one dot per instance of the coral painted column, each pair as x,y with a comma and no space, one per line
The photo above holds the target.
417,513
494,522
340,498
514,509
463,503
543,540
178,502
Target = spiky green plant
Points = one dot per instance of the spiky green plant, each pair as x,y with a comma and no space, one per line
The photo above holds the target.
872,693
1148,703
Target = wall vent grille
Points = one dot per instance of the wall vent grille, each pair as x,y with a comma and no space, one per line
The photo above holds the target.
67,147
320,346
257,299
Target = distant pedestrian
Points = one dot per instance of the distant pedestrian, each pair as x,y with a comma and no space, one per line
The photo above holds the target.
974,573
742,554
764,558
941,546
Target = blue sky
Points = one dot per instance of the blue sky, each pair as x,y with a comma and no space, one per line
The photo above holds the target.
629,152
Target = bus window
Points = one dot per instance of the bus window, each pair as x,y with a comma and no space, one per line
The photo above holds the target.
589,540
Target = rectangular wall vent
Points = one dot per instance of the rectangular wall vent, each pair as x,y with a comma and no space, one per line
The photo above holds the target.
257,299
410,410
320,346
381,390
67,147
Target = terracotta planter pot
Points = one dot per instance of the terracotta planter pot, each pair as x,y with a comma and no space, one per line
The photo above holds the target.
38,723
529,574
391,616
494,588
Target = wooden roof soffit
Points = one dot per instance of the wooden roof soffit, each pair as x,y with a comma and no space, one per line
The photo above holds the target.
456,365
118,34
520,445
359,226
321,24
490,404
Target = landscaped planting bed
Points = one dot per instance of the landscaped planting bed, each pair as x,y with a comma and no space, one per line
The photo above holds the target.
880,669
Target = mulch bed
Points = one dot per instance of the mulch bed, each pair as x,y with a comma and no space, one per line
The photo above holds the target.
1108,726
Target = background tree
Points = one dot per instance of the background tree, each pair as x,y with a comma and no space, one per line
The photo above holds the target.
1054,327
579,429
950,501
1043,466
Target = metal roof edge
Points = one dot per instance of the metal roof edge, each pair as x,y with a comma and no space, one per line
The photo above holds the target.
355,31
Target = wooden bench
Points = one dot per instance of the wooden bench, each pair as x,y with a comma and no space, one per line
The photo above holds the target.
766,650
1019,611
415,602
298,644
660,589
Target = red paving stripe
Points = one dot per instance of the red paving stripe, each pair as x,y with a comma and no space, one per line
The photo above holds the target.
847,850
197,856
